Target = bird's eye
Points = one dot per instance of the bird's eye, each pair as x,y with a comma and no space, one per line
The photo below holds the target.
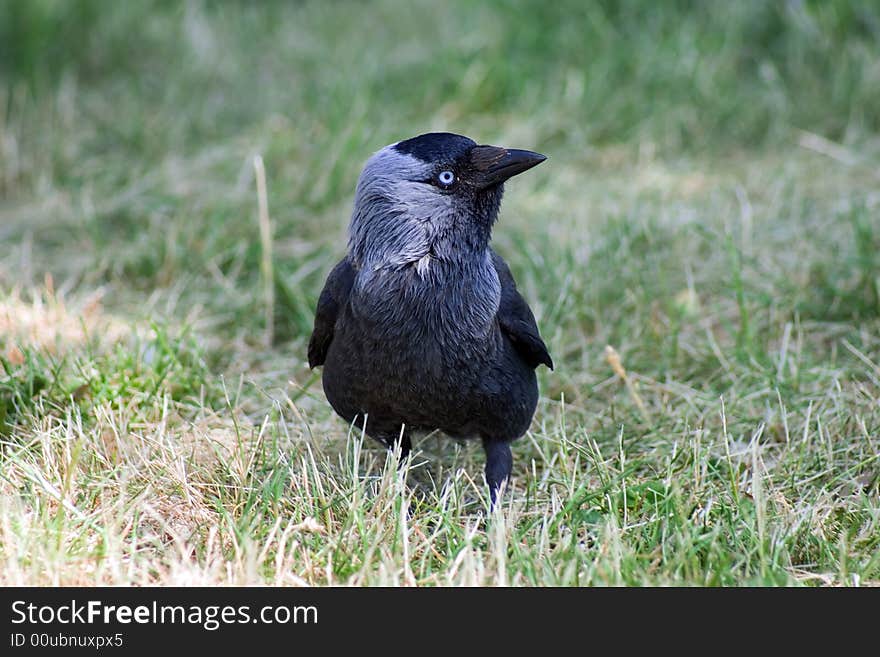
446,178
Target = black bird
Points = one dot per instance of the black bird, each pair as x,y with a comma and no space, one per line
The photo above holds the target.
421,327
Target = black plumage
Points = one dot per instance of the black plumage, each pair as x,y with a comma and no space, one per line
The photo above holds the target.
421,326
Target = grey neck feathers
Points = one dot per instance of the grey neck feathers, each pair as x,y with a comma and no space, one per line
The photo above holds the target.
389,233
423,261
448,301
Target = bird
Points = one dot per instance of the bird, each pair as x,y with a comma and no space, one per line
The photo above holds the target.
420,326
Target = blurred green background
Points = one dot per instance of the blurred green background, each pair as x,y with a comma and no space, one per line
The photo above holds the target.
686,74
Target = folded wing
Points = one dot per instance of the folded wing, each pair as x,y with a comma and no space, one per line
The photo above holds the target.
517,321
333,297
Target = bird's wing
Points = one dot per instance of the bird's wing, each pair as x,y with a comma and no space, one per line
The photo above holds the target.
517,321
333,298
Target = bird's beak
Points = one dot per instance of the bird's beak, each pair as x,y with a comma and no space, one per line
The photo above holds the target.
495,165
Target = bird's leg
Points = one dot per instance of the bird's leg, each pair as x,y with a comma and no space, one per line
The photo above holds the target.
391,441
499,462
405,444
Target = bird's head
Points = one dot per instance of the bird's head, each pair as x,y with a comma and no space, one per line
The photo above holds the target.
435,195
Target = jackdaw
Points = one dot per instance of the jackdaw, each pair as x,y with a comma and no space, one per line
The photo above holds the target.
421,327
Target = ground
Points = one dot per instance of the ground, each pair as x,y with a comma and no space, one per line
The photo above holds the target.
701,250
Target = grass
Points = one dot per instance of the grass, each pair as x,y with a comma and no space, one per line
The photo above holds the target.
709,210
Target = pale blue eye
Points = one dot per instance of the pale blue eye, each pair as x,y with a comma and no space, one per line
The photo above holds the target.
446,177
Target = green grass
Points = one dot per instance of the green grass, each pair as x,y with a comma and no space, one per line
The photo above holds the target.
709,209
